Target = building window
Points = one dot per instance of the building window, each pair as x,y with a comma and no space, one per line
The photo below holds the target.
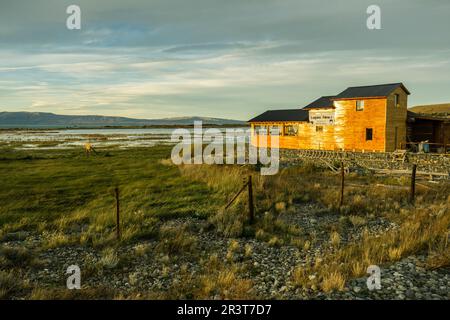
369,134
261,130
359,105
397,100
290,130
319,129
274,130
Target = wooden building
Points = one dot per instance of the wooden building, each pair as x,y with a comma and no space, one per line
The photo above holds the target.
434,130
367,118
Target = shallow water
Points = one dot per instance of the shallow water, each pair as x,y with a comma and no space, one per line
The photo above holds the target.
102,138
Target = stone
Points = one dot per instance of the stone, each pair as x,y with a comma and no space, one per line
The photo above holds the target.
410,294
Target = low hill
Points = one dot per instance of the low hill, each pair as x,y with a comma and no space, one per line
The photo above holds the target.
433,109
51,120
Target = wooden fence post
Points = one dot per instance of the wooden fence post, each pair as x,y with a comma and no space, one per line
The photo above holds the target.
250,200
413,184
117,213
341,202
251,207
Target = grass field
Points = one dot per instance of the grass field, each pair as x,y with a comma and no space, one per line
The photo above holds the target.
60,188
59,201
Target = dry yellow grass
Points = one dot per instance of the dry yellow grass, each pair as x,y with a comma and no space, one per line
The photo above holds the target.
439,259
277,193
8,284
425,228
142,249
357,220
280,206
335,239
307,245
420,228
175,240
443,108
248,250
216,279
233,248
64,294
224,284
109,259
55,239
333,281
275,242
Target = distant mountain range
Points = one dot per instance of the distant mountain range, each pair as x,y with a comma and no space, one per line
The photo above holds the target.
51,120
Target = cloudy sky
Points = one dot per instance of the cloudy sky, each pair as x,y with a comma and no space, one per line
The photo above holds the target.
217,58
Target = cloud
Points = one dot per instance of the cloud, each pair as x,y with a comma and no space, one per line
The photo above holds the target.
215,58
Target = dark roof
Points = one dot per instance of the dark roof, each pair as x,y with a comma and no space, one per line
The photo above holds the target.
382,90
412,116
282,115
324,102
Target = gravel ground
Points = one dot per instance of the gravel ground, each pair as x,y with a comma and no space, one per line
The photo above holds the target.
405,279
269,267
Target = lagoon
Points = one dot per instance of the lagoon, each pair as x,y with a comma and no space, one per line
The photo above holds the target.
100,138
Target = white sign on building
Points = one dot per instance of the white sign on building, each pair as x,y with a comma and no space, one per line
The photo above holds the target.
319,117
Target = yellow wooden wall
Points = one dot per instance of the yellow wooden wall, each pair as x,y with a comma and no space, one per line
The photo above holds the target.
350,125
307,137
349,129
